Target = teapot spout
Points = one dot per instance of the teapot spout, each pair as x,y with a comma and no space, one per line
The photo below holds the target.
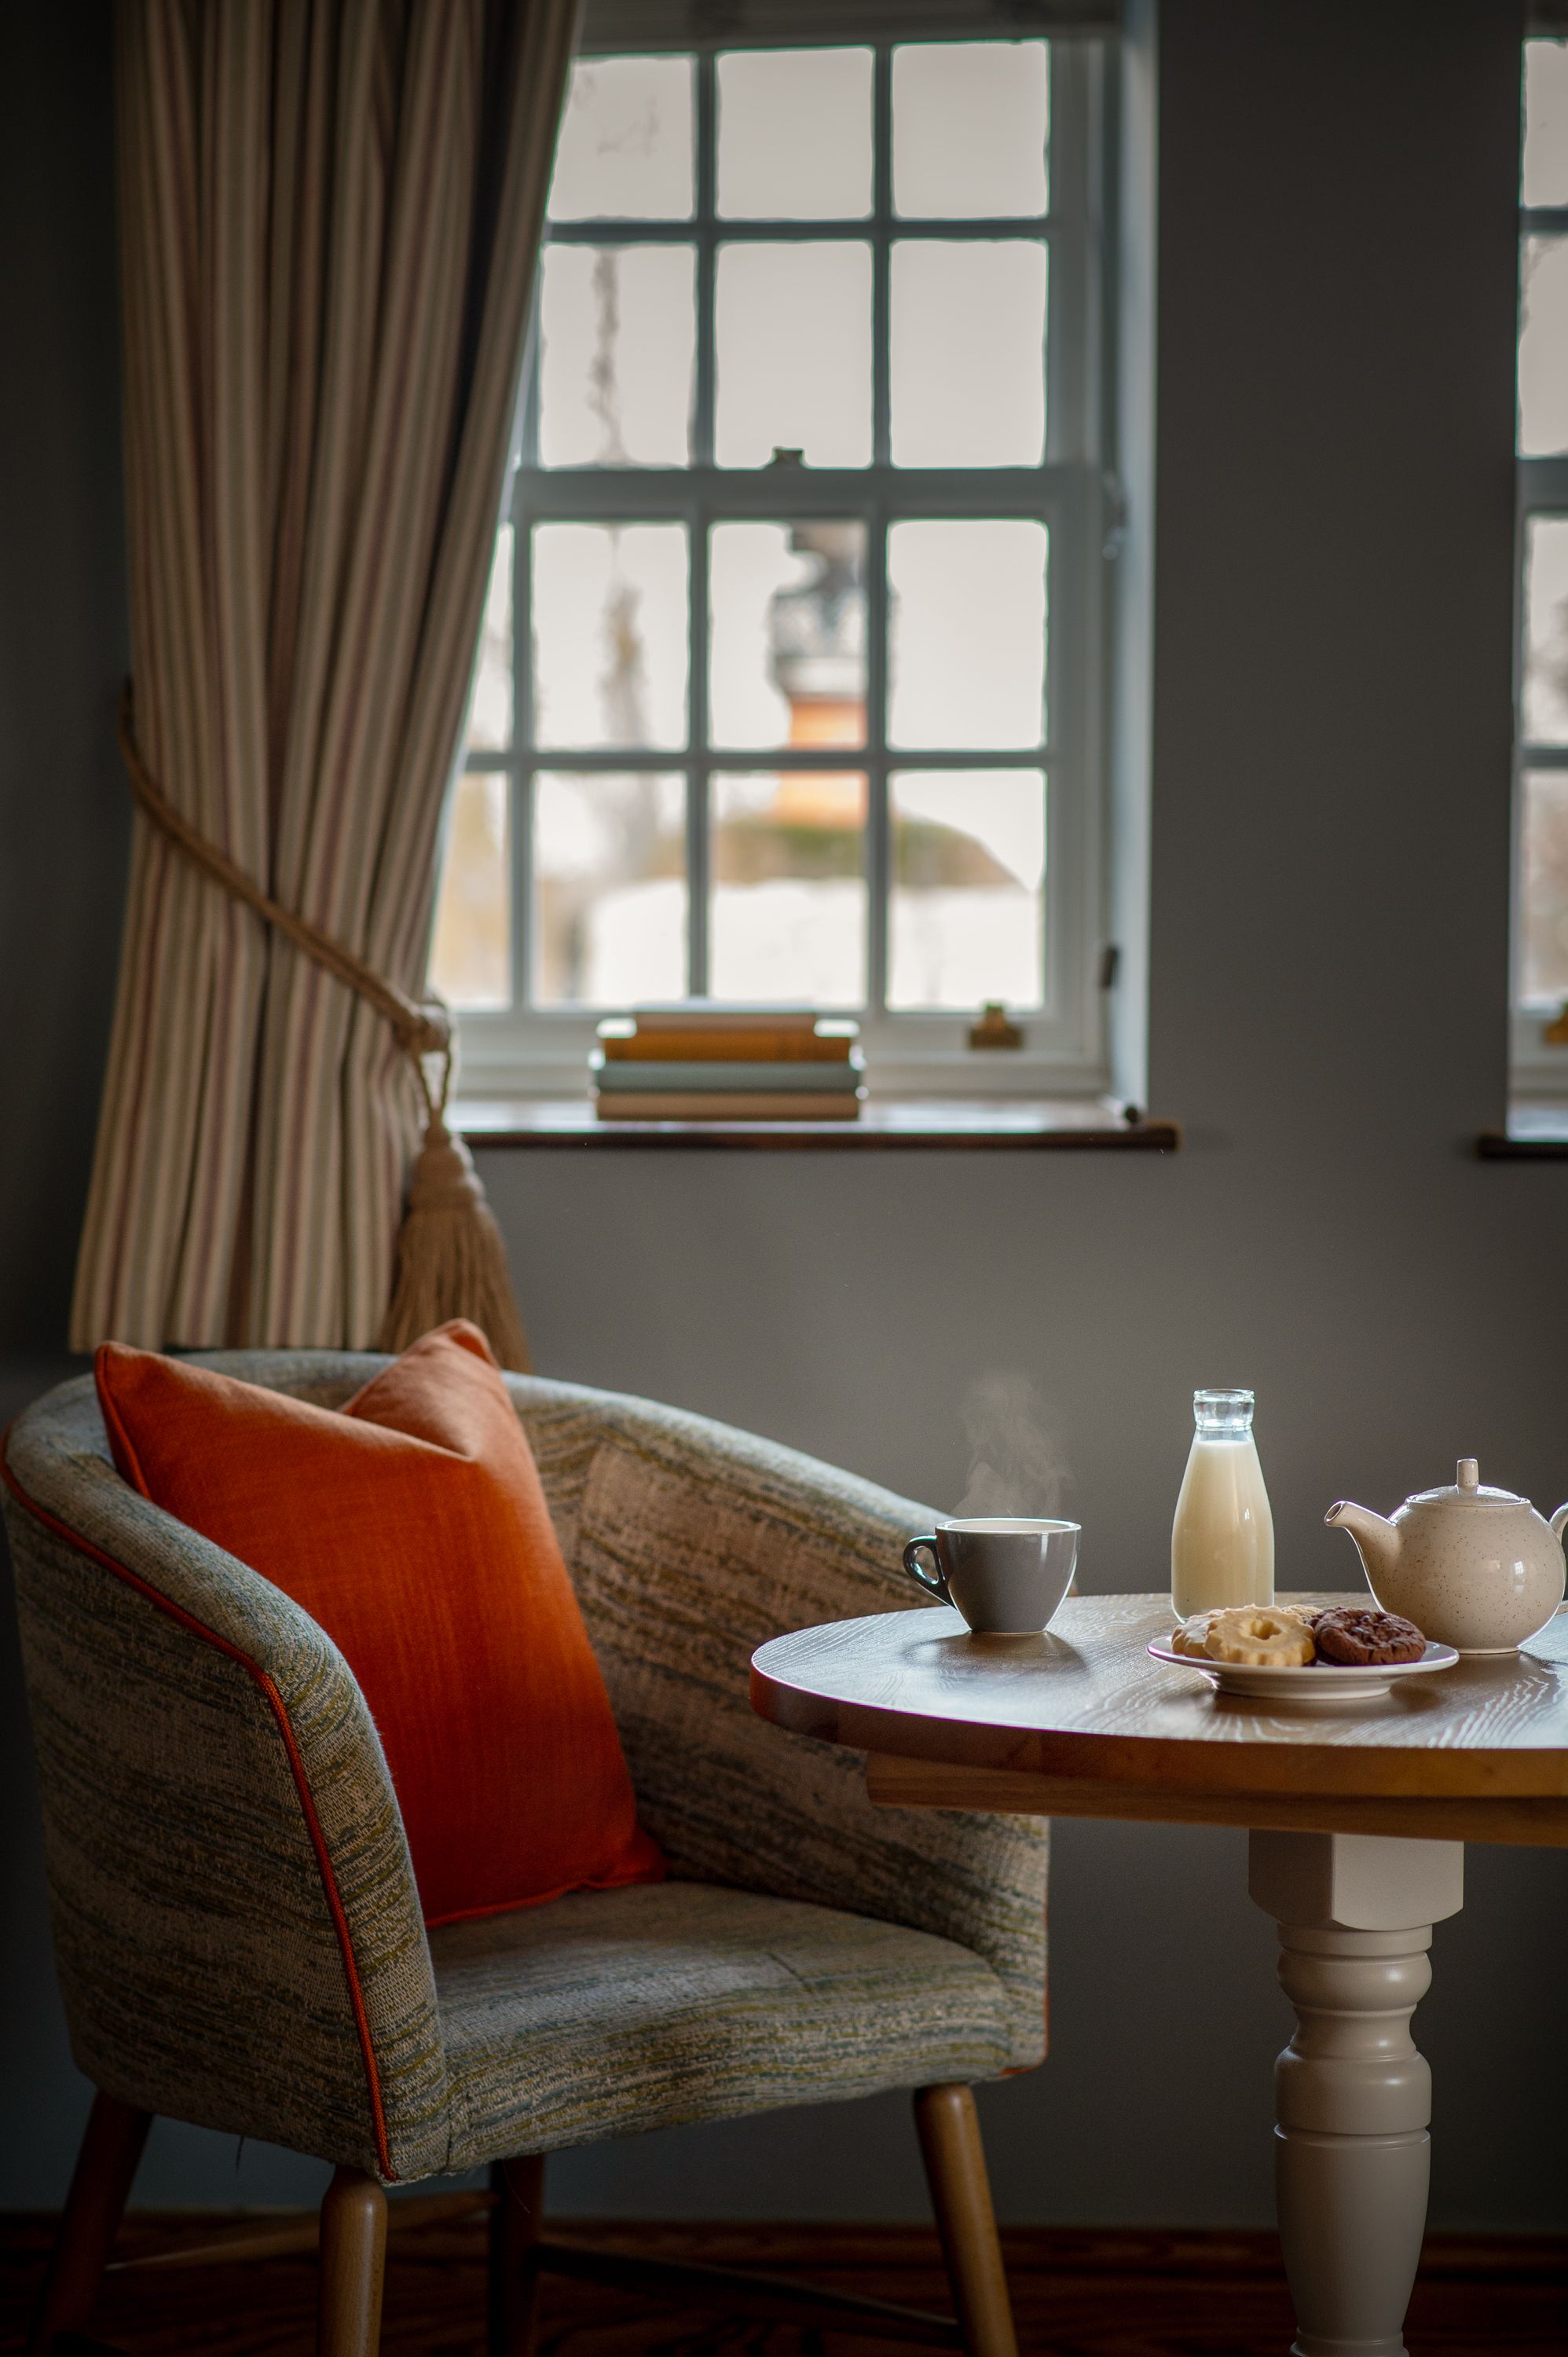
1377,1540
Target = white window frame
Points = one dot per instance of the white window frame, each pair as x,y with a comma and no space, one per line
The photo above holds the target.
528,1050
1539,1071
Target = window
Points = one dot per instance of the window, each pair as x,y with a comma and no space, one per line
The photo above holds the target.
791,678
1541,985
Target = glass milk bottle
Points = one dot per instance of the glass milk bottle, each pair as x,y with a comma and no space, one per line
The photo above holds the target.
1222,1541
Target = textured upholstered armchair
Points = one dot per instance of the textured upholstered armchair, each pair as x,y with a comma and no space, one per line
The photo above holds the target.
238,1932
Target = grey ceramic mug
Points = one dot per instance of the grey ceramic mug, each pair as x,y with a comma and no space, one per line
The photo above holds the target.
1005,1574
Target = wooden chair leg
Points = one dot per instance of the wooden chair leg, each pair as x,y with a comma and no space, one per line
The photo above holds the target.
352,2266
100,2188
960,2195
516,2223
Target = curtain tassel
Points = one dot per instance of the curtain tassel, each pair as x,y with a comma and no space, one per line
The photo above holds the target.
451,1260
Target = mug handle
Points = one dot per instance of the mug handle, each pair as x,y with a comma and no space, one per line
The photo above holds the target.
937,1586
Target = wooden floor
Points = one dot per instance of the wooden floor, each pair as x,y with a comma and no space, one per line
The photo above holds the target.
1076,2294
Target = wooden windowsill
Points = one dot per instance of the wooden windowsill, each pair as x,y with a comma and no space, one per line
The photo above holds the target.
1535,1133
1502,1146
1035,1123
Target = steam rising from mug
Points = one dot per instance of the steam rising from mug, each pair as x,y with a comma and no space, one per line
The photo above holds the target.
1016,1461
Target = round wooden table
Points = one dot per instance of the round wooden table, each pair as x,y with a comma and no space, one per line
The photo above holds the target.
1357,1822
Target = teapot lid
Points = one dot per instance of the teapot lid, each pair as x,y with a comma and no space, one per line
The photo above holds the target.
1466,1490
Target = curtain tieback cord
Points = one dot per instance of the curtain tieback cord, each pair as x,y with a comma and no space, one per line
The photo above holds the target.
451,1260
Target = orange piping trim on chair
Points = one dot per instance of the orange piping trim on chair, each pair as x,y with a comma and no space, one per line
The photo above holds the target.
296,1766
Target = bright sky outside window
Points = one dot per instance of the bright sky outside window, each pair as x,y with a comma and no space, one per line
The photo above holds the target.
760,709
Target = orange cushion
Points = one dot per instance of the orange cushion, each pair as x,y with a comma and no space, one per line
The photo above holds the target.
412,1525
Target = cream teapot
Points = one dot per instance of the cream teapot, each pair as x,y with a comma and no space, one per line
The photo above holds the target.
1477,1570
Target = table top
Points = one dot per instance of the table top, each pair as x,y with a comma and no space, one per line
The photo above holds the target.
1085,1705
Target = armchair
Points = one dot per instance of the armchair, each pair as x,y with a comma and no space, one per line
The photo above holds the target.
239,1937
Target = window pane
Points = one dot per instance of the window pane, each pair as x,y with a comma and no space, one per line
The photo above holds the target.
788,634
1545,178
968,362
967,626
609,889
470,948
788,894
625,152
1546,632
795,135
617,336
967,917
490,706
793,333
1544,895
609,634
970,122
1543,348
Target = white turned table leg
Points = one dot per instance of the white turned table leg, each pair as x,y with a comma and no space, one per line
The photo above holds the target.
1353,2096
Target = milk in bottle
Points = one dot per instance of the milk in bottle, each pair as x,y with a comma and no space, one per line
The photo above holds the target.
1222,1542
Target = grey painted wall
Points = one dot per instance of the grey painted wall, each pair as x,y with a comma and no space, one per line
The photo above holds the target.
1329,889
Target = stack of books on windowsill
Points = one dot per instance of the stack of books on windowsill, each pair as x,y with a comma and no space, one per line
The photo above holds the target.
695,1063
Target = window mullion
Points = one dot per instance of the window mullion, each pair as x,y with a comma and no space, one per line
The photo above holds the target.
699,861
876,583
706,181
1068,393
1543,482
699,799
520,786
529,438
881,225
878,868
520,790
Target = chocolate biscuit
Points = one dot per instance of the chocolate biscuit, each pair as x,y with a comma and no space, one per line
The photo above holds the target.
1363,1638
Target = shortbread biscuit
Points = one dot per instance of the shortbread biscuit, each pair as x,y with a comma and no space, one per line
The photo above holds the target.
1189,1638
1260,1636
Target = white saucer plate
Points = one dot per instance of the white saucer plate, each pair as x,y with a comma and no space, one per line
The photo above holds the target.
1321,1686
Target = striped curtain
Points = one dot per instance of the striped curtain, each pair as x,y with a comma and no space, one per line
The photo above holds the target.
330,217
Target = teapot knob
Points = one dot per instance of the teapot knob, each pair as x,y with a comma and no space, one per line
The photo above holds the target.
1469,1473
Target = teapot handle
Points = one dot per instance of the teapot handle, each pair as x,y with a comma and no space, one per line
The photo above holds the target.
1558,1521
